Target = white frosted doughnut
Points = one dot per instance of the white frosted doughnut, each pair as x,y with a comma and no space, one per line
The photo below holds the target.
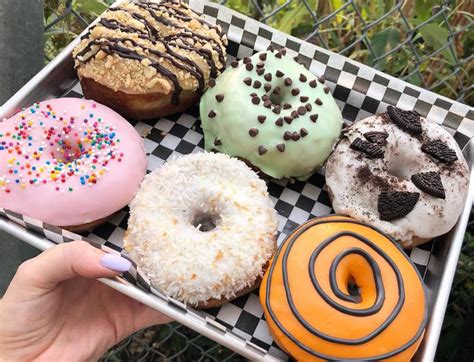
355,181
189,264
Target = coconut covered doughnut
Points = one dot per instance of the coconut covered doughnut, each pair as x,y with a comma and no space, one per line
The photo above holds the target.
69,162
147,59
399,172
272,112
340,290
203,228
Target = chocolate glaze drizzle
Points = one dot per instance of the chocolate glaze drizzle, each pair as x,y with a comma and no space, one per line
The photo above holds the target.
119,47
380,291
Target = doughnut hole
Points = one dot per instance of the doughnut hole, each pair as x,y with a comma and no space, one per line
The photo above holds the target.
206,221
400,163
67,151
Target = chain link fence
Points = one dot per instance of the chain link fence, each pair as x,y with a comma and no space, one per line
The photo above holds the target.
428,43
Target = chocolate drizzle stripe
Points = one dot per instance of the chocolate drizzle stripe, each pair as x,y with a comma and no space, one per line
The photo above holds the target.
304,347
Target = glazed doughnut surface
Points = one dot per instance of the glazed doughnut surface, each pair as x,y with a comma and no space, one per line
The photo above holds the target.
339,289
355,181
202,227
69,162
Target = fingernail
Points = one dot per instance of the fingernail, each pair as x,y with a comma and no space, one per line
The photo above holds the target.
115,263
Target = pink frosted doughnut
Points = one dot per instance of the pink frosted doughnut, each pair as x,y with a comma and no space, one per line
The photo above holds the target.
69,162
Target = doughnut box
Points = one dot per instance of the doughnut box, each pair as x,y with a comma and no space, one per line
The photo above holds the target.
359,91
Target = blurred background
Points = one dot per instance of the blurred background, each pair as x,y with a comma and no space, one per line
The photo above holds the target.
428,43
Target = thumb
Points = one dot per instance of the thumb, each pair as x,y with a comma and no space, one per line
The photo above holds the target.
65,261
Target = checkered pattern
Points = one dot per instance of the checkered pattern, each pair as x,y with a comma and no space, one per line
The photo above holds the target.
359,91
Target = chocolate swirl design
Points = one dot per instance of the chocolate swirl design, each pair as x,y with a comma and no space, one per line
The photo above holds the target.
340,289
168,24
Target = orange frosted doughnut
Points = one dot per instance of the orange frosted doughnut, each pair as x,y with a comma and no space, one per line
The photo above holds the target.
341,289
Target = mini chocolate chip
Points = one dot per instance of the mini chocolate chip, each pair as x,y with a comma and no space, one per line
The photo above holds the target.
253,132
261,150
295,91
249,66
314,117
308,107
212,82
260,71
255,100
268,77
267,87
287,135
371,150
295,136
429,182
234,64
440,151
211,114
287,106
279,74
276,91
294,114
303,63
326,89
303,98
247,60
217,142
303,132
277,109
260,64
248,81
322,79
257,84
295,58
265,97
408,121
376,137
271,48
313,83
394,205
261,119
288,119
267,103
283,51
318,101
263,56
278,55
288,81
303,78
253,94
219,97
301,111
281,147
279,122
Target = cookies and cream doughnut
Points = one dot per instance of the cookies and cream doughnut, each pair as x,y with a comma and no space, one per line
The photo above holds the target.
149,59
203,228
340,290
400,172
272,112
69,162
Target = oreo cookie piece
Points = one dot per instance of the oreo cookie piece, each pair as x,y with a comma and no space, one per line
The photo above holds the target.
379,138
429,182
371,150
394,205
440,150
408,121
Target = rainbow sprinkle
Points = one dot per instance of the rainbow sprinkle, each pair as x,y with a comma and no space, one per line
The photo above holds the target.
46,146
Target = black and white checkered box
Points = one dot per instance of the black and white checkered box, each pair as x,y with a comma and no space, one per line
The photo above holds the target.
360,91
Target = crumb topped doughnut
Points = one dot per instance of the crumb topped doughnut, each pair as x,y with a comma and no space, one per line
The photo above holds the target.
203,228
401,173
69,162
340,290
149,59
272,112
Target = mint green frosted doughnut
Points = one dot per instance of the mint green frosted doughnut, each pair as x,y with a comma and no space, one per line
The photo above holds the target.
273,112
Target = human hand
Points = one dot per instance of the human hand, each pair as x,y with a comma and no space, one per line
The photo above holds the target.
54,309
